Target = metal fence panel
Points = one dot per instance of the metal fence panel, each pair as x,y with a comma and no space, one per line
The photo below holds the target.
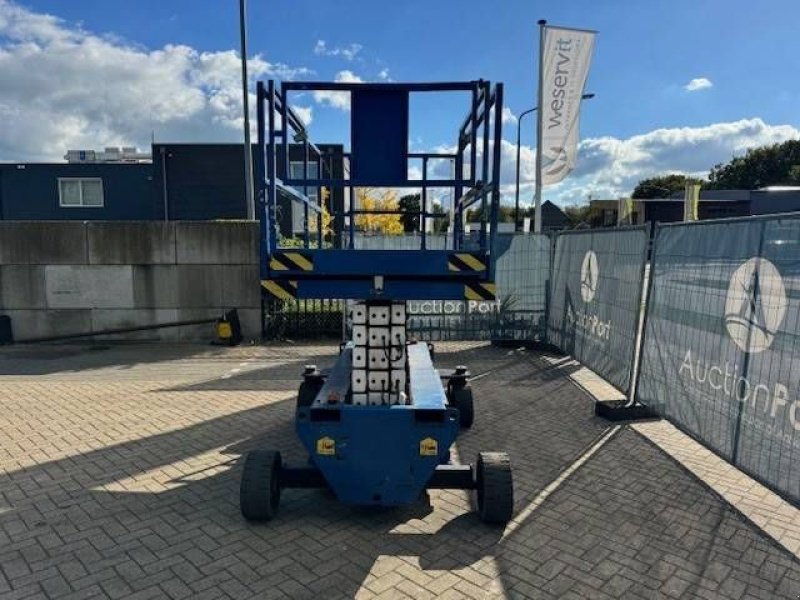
595,299
720,355
522,270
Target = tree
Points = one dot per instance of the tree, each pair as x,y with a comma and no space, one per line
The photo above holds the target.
370,199
662,186
578,214
440,223
505,214
410,204
778,164
327,219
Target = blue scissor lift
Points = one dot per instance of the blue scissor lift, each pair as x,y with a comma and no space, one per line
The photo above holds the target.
384,440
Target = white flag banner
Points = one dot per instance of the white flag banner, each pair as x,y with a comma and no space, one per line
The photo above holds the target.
566,58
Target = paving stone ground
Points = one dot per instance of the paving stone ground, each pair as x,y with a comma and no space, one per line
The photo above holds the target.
119,474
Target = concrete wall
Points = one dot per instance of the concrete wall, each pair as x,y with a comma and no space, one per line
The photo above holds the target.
60,278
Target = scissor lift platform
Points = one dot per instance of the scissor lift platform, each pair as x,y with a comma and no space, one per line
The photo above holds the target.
379,425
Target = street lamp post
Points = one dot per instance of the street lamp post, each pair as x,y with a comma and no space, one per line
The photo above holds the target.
516,195
248,150
517,222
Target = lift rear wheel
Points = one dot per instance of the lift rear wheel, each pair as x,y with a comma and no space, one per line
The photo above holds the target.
260,490
308,393
495,487
461,398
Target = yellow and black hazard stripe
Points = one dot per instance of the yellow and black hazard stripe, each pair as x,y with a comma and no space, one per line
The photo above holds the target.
465,262
480,291
283,289
292,261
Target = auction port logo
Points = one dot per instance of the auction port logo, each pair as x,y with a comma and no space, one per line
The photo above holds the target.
586,320
754,310
755,306
590,273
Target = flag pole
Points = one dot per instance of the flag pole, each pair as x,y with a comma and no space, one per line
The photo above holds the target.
537,211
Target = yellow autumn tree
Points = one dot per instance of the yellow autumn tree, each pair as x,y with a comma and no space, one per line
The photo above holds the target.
327,218
370,199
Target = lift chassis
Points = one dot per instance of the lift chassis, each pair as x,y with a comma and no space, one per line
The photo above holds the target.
378,426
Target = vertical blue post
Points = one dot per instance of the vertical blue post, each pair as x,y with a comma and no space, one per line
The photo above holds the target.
262,182
424,216
285,130
305,190
458,190
352,225
320,202
485,162
473,135
498,137
272,191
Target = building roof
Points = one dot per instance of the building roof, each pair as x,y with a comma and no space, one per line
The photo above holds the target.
717,195
553,216
779,188
705,196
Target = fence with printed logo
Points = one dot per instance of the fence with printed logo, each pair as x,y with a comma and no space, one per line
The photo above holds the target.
721,354
596,298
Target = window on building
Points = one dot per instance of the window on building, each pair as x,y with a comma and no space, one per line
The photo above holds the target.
296,172
76,192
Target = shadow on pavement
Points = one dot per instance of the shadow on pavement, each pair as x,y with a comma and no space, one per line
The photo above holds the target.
628,522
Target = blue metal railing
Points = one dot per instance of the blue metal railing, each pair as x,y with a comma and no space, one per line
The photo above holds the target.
473,182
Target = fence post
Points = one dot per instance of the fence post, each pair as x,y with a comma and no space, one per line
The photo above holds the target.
548,285
651,277
746,362
643,298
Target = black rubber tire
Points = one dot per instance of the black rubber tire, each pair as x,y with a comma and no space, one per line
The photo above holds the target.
461,398
260,490
495,487
307,393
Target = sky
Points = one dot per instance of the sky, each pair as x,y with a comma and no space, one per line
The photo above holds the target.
680,85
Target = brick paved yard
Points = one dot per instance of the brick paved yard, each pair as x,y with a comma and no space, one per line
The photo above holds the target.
119,478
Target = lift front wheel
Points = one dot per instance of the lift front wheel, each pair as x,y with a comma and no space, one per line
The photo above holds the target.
495,487
260,491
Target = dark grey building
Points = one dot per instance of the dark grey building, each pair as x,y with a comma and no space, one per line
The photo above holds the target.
553,218
775,199
714,204
80,192
183,182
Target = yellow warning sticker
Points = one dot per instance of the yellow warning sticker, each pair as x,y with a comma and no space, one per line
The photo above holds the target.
326,446
224,331
428,447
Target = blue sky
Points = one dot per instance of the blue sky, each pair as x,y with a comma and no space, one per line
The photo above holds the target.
642,122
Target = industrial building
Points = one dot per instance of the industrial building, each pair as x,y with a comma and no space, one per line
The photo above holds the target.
714,204
188,182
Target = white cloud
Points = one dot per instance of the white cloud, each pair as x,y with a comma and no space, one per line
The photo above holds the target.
340,100
508,116
699,83
610,167
383,75
306,114
76,89
348,52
